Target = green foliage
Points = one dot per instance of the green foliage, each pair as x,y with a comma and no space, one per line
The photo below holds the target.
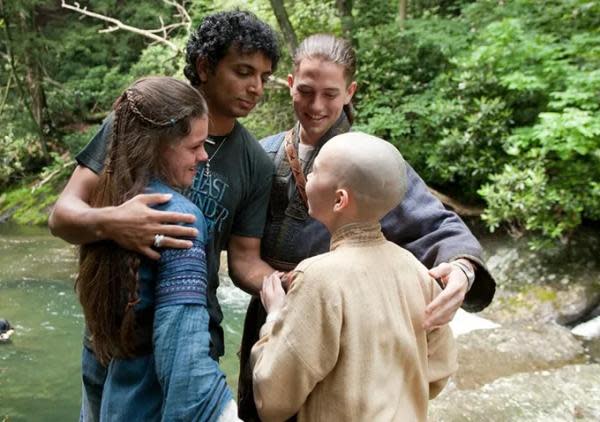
495,102
547,203
29,201
160,60
309,17
78,73
551,187
507,109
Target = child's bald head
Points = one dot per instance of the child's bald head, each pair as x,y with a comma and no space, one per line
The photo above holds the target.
370,168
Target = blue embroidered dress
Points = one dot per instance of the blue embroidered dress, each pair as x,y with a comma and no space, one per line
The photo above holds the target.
177,379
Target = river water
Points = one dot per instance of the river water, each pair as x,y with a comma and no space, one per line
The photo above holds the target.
40,368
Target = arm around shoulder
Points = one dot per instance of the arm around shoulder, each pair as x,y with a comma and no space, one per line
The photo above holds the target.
434,235
72,218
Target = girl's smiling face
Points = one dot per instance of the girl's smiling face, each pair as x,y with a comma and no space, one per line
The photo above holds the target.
181,159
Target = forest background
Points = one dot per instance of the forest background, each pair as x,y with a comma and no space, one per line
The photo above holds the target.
495,103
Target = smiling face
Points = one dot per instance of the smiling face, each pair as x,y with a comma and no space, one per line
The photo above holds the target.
319,92
181,159
236,84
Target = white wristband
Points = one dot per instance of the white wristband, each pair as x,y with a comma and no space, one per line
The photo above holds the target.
272,316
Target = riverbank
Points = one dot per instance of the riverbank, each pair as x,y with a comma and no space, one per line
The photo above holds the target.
531,366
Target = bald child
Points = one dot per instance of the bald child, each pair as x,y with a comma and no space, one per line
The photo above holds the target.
347,342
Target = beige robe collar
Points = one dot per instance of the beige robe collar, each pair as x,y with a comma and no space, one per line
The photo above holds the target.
357,234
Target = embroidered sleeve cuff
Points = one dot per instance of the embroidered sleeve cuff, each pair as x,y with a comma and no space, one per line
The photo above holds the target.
181,277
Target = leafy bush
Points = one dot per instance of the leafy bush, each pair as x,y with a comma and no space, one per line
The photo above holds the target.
20,153
506,109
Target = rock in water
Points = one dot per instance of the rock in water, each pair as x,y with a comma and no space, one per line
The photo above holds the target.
6,330
589,329
465,322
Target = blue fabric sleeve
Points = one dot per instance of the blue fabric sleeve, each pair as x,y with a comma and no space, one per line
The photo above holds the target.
181,277
271,144
193,386
182,273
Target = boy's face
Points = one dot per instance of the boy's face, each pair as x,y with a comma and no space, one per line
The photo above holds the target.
321,189
236,85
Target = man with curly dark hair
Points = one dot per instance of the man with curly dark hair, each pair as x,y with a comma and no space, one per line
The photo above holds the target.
229,58
218,32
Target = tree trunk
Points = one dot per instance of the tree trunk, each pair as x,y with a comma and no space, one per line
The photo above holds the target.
31,90
344,8
39,107
402,6
285,25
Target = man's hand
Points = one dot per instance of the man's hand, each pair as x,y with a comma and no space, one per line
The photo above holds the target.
272,295
134,224
442,309
246,268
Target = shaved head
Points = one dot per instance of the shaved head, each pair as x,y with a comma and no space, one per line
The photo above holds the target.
370,168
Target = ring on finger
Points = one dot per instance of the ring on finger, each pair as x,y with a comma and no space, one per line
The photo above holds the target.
158,238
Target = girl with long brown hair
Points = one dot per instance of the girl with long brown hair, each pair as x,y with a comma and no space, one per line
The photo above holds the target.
146,355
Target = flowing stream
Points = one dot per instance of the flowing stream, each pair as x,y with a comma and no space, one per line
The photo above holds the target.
40,367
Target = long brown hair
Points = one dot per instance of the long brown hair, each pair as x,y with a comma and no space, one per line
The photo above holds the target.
151,113
332,49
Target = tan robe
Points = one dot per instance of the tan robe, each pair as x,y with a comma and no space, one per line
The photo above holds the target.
349,343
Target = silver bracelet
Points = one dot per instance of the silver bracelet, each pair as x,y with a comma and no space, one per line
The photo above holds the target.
469,273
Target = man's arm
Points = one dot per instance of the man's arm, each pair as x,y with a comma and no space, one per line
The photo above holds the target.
132,224
246,268
72,218
437,236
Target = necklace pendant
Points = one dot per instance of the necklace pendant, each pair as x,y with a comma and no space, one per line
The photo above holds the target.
207,165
